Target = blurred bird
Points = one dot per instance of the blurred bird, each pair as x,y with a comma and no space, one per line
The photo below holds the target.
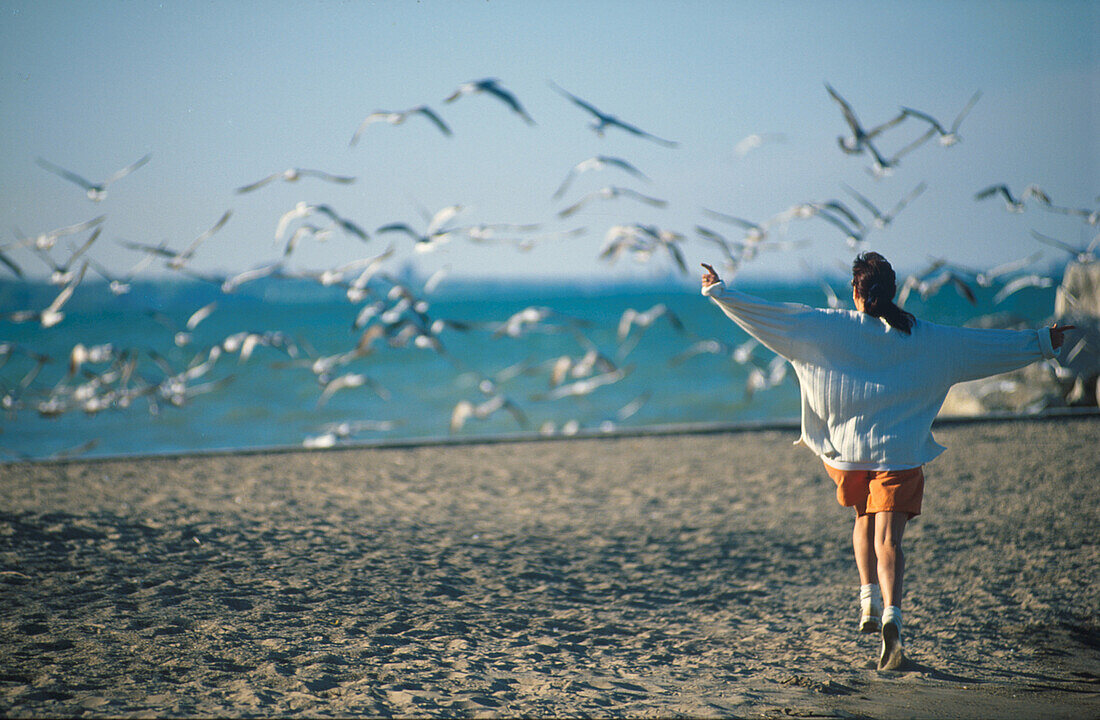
94,191
46,240
755,140
396,118
611,192
733,253
304,209
740,354
948,137
1017,284
63,272
1082,255
293,175
1011,203
434,236
754,232
927,287
860,140
632,318
491,86
641,241
176,260
534,318
51,314
121,285
599,162
585,386
350,380
464,410
333,432
11,264
881,219
604,121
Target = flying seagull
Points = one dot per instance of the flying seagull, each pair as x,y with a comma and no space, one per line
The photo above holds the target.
176,260
860,139
95,191
396,118
599,162
604,121
293,175
948,137
491,86
610,193
1011,203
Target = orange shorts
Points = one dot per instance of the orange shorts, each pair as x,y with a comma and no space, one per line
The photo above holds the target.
873,491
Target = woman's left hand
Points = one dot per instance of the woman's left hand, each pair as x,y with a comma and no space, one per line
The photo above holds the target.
710,277
1058,334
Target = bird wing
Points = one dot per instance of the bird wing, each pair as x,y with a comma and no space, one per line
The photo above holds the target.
509,99
199,315
862,200
849,115
913,194
577,205
67,291
906,111
442,217
993,190
87,244
257,184
914,145
641,133
11,264
127,170
201,238
878,129
578,102
655,202
342,179
399,227
565,183
623,165
430,114
965,111
392,118
460,414
62,172
746,224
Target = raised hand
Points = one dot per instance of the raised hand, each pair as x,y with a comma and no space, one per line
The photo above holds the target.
710,277
1058,334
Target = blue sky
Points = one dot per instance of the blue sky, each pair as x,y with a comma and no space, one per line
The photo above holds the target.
225,93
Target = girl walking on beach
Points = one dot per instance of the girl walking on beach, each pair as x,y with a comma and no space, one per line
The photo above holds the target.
872,381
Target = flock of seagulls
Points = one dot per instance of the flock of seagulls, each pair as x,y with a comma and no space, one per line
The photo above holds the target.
393,313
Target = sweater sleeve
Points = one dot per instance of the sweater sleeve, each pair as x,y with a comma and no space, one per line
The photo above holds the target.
976,353
788,329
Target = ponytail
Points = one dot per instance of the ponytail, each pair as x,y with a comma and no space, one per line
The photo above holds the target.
875,282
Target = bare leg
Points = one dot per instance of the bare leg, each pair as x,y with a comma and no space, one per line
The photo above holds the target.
889,527
863,542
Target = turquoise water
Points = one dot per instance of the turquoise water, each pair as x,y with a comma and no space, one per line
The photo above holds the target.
273,398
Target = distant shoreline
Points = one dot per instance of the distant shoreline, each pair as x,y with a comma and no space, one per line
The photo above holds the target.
663,430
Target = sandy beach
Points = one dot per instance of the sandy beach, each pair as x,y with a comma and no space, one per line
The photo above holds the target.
696,575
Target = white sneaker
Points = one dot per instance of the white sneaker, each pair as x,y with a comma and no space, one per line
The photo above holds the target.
870,617
891,656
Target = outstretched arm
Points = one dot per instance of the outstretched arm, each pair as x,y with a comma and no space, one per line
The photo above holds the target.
788,329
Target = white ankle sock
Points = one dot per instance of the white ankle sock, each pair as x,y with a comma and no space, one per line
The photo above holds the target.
892,613
869,595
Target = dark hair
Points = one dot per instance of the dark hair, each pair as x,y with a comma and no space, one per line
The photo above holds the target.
875,282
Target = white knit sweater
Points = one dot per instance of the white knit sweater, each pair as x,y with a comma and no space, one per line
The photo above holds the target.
870,392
